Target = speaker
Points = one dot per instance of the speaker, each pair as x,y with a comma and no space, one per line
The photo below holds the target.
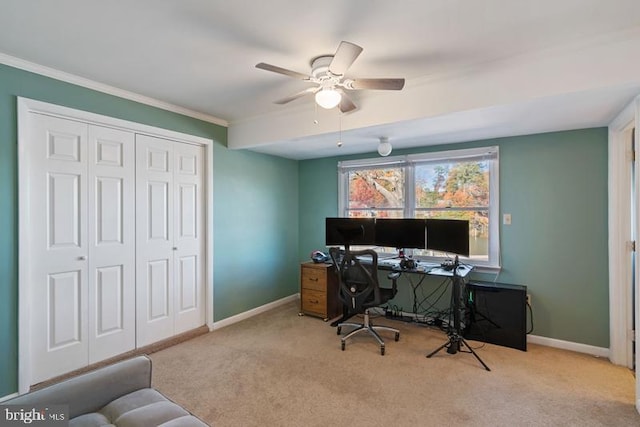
496,313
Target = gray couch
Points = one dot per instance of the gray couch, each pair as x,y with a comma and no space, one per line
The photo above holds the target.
116,395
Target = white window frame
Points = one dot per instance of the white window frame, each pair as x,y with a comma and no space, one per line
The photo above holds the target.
409,162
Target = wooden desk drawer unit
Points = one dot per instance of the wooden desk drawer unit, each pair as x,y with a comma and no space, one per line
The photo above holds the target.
319,291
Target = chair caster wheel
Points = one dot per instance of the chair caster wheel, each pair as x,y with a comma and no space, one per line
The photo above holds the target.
343,346
338,330
397,336
382,351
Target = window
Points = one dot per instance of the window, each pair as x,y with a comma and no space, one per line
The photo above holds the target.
458,184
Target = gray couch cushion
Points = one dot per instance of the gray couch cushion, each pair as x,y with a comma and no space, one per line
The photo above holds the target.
131,401
118,395
151,415
142,408
93,419
91,391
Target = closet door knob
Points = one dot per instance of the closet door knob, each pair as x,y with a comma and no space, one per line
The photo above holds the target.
82,258
175,248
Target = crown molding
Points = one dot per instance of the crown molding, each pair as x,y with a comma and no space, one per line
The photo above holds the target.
110,90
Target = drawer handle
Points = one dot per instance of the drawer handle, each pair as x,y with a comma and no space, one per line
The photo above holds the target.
316,302
315,279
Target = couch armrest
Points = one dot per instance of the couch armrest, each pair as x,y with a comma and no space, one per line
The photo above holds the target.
91,391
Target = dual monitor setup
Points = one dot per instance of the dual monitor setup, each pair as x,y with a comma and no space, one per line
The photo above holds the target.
443,235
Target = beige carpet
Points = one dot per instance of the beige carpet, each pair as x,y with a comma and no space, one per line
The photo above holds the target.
279,369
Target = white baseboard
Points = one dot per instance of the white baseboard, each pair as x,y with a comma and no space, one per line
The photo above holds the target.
549,342
568,345
8,396
533,339
255,311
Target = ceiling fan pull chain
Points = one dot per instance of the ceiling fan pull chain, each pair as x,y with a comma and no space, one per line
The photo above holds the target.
315,113
339,128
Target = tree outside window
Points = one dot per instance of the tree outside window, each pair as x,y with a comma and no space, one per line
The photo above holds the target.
460,184
376,192
456,190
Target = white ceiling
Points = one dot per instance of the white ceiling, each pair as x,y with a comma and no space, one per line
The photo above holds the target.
474,69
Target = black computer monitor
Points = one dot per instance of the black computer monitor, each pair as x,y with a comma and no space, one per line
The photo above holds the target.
448,235
405,233
349,231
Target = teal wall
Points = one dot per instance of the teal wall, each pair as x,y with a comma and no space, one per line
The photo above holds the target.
255,207
256,231
555,187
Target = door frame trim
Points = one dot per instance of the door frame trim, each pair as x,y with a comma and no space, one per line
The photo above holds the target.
620,226
26,106
619,235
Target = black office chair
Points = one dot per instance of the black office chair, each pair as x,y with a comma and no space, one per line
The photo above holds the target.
360,290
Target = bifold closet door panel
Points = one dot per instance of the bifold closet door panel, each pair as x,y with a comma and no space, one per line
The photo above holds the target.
189,237
169,238
57,246
111,204
112,239
154,239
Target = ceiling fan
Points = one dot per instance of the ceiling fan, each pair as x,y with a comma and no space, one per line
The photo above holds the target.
327,72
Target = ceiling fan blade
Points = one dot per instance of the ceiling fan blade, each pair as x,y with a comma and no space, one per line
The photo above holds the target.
294,74
380,84
345,56
300,94
346,104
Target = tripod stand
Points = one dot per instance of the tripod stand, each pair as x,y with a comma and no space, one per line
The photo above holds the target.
455,342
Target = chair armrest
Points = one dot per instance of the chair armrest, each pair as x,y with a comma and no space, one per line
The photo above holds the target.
91,391
393,276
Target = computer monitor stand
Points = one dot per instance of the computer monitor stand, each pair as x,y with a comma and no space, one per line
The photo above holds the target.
455,342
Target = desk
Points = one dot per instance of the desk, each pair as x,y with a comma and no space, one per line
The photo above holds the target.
422,270
423,267
462,271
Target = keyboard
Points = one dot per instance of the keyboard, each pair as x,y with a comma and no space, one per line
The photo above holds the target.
394,264
429,265
391,263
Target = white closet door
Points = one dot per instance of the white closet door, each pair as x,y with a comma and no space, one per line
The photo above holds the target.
111,263
112,238
154,239
188,237
58,246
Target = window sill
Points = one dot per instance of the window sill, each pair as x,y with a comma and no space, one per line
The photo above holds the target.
486,269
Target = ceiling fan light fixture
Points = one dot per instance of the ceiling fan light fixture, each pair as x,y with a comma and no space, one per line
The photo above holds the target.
328,75
328,98
384,146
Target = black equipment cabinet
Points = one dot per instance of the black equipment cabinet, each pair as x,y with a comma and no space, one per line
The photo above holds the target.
497,314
